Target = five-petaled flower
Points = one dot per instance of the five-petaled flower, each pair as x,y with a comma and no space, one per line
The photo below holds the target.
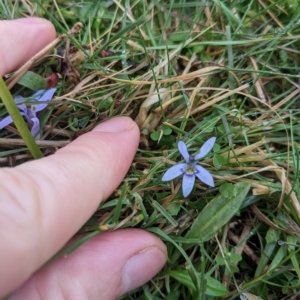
29,112
190,170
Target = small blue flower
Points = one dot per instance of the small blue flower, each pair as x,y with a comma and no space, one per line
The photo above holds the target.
29,113
190,170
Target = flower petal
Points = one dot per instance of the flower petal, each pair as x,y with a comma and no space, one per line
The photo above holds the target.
31,113
174,172
36,96
206,147
5,121
47,95
35,129
44,96
204,176
23,109
18,99
187,184
183,150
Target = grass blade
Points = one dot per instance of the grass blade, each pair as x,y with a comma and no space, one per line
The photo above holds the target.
22,127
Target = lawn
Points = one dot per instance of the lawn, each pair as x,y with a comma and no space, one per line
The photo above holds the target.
185,71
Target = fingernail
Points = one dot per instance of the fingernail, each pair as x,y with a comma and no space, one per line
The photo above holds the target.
118,124
141,267
30,20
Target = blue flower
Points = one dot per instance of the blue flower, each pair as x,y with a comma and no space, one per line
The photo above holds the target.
190,170
29,113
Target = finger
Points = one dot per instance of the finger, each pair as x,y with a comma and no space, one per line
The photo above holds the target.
105,267
44,202
20,39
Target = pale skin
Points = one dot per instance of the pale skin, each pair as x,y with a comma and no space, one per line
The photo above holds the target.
44,203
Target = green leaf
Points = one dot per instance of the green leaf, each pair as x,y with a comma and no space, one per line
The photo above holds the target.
178,37
220,260
166,130
85,10
227,190
173,295
105,103
217,213
33,81
166,141
292,6
219,160
173,208
235,258
278,258
215,287
272,236
155,135
216,163
198,49
292,243
164,212
233,269
265,257
183,277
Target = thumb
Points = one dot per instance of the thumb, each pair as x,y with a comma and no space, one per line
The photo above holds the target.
44,202
105,267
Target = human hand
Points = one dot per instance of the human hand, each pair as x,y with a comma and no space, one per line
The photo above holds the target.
43,204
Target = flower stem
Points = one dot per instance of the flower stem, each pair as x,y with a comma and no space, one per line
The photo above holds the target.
14,112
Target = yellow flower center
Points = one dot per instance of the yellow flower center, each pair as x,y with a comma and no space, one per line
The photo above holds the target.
190,170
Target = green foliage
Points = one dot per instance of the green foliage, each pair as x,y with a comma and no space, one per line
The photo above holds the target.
218,212
228,69
213,286
158,135
33,81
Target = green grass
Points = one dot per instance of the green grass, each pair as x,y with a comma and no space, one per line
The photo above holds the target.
228,69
